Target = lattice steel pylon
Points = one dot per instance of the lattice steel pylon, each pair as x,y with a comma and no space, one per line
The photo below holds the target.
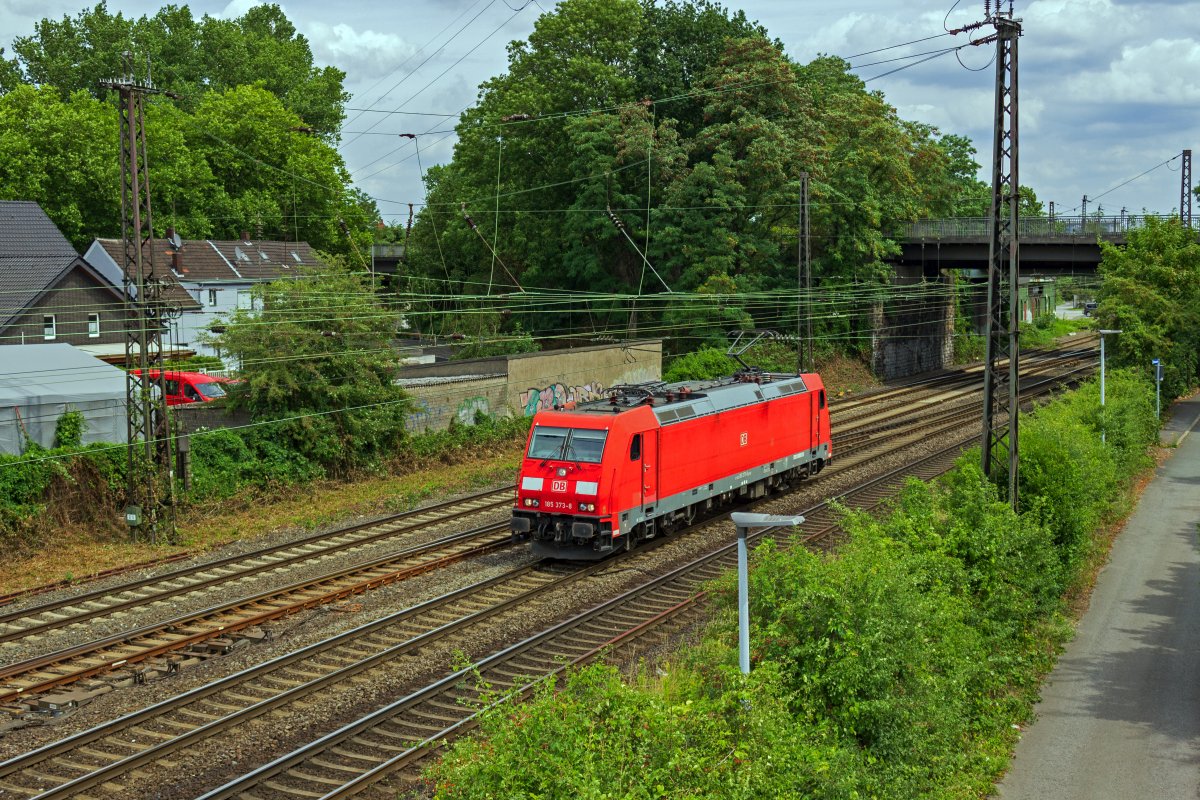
1001,392
804,337
150,478
1185,190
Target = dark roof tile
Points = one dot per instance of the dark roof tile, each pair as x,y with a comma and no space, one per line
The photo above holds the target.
33,256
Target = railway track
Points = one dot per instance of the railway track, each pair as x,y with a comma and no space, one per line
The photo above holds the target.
221,574
43,673
26,686
101,756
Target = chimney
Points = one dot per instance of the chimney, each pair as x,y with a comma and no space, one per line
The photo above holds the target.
246,236
176,256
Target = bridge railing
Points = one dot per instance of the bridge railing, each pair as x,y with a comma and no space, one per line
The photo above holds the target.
1028,227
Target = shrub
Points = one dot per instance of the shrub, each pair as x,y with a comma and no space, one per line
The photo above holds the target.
69,430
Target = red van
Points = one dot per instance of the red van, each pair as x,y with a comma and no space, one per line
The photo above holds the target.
191,387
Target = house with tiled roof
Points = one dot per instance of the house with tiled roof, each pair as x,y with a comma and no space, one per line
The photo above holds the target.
213,277
48,292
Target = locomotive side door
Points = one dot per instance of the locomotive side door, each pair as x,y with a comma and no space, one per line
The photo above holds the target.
649,470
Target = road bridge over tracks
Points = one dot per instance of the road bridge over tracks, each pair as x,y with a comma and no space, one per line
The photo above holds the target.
1049,246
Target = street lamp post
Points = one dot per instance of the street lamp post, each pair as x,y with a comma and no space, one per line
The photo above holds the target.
1103,333
744,522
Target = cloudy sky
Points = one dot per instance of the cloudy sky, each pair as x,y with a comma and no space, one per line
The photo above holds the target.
1108,88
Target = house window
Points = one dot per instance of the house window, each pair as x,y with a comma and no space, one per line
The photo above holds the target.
93,326
49,331
212,297
243,300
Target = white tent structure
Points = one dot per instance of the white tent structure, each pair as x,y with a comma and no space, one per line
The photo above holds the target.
38,382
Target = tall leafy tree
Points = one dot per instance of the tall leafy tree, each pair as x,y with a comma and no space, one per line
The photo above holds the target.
688,120
238,163
1151,293
317,364
187,56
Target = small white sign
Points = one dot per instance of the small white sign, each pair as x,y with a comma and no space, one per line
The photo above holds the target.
745,438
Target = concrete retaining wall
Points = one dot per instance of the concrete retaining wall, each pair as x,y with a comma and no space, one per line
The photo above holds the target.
522,385
915,334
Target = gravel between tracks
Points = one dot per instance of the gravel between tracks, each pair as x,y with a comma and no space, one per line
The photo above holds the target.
211,761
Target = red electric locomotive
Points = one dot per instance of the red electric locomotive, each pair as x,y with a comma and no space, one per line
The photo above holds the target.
610,473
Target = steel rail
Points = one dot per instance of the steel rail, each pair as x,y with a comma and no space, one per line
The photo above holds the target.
528,582
223,619
109,606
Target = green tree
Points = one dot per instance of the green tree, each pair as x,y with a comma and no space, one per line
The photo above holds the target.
1151,292
317,362
187,56
61,153
273,175
693,128
237,163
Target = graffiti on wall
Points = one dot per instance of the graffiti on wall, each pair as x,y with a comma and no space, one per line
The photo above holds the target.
558,394
470,409
430,414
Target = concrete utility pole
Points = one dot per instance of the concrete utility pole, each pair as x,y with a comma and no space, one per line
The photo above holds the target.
1185,189
150,486
1001,403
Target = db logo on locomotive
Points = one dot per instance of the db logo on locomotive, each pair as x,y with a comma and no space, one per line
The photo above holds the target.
558,486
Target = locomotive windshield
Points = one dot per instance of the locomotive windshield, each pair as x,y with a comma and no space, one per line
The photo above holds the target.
568,444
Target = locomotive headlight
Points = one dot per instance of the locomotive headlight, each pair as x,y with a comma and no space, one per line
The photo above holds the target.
528,502
587,506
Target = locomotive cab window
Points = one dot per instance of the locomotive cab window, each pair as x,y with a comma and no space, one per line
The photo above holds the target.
568,444
635,447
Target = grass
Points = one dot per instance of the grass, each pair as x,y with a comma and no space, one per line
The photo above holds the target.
1048,329
72,554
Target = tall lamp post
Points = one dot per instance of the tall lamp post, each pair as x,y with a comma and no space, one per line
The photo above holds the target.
744,522
1103,333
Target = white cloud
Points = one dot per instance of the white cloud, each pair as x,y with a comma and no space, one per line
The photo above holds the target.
1161,72
365,51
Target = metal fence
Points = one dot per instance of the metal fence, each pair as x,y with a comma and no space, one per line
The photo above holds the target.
1029,227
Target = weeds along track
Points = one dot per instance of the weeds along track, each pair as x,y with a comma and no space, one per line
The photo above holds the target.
957,399
150,651
123,757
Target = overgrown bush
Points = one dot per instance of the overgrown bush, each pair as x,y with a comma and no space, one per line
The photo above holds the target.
69,430
95,474
488,431
703,364
225,461
710,362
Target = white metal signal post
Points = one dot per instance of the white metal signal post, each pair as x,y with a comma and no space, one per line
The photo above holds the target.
744,523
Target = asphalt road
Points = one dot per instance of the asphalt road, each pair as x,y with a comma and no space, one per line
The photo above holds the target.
1120,715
